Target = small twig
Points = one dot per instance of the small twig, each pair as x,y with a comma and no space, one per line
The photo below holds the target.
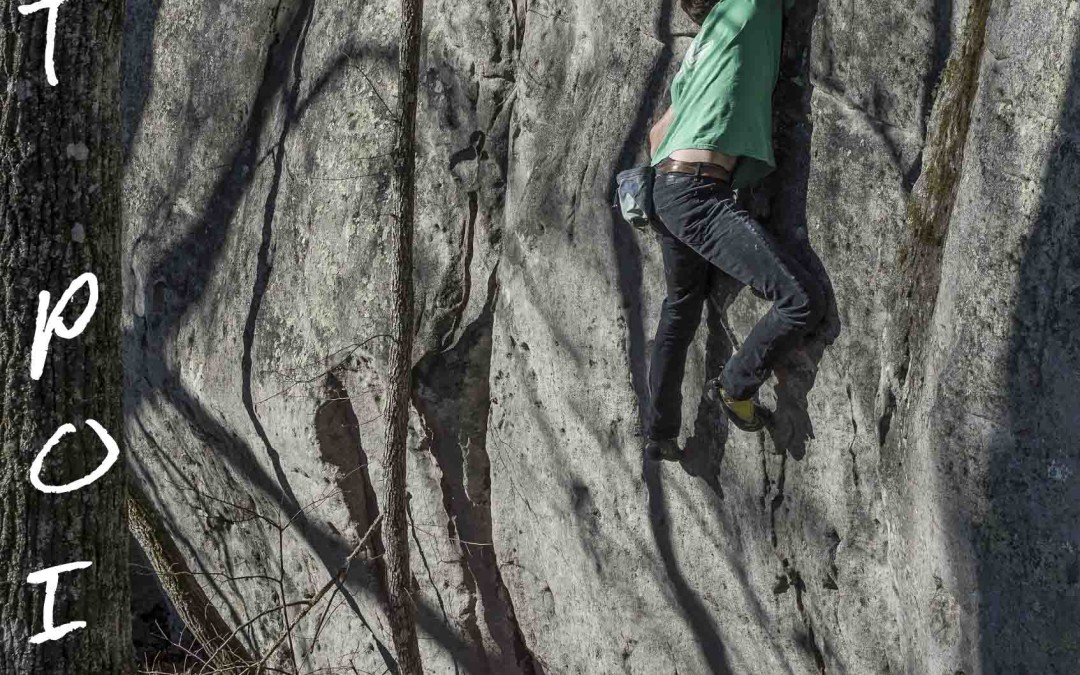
393,115
455,539
322,619
334,581
247,623
351,349
225,575
281,585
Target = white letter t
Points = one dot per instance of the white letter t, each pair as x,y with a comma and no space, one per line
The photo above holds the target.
50,32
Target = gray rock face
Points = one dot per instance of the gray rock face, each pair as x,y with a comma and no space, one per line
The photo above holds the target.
913,510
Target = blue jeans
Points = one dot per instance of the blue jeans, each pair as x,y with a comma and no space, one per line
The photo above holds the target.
704,233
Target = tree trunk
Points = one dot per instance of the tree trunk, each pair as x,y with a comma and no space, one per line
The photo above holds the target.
399,599
223,649
60,166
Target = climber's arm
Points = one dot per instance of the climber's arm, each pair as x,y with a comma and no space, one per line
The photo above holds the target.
659,130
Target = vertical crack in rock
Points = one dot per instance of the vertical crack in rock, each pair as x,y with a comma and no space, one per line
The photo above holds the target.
854,437
430,576
832,581
452,395
519,15
941,18
337,434
766,482
468,232
467,618
929,210
451,389
778,499
930,206
293,57
810,639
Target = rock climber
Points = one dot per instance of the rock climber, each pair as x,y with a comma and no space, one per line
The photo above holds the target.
716,137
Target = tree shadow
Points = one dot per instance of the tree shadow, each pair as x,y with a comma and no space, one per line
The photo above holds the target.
296,38
179,276
629,277
1028,545
703,452
137,62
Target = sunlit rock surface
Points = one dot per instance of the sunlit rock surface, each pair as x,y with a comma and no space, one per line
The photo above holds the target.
914,508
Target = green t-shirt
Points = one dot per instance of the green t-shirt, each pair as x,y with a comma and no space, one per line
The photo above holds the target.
722,94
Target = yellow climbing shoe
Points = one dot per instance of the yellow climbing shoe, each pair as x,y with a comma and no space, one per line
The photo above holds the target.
744,409
744,413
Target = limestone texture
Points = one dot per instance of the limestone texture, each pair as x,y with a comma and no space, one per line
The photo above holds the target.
915,507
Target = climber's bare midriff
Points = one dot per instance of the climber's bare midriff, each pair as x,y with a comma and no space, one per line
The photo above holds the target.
660,129
709,156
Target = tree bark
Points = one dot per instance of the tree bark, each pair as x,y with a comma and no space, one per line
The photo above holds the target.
184,590
60,167
399,599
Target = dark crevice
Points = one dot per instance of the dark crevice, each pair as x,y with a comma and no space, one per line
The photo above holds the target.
467,618
854,437
766,482
832,580
296,39
810,640
519,16
452,395
885,420
337,433
472,153
941,18
464,286
430,576
930,206
778,499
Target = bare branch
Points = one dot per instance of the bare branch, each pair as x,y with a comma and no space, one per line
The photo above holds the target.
337,579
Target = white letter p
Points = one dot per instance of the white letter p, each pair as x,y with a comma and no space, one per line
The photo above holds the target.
52,323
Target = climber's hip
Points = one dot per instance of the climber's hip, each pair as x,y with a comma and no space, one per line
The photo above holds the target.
701,214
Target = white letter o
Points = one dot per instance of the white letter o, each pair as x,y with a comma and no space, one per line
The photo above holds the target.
103,468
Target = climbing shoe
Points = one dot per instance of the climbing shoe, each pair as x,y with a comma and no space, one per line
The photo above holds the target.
744,414
664,449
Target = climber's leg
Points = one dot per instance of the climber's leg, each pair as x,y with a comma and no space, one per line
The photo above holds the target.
686,275
798,305
703,214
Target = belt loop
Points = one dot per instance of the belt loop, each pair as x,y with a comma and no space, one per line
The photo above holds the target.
697,171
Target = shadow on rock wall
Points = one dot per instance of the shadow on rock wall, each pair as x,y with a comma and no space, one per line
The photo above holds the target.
1028,547
178,278
628,256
